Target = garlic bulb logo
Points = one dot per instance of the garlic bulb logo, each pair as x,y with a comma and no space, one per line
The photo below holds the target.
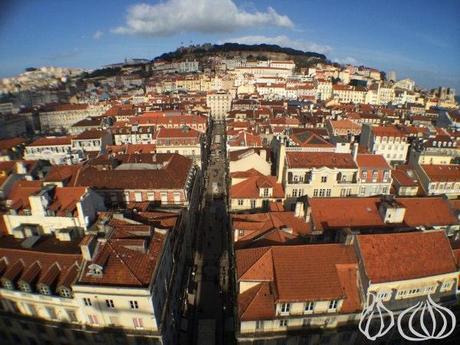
435,330
375,312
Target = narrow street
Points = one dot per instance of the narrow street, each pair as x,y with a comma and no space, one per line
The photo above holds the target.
213,312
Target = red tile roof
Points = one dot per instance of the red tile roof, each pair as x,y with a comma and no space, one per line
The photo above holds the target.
123,260
90,134
326,272
38,264
245,174
388,131
20,192
8,144
442,173
250,188
52,141
404,256
62,173
405,176
171,133
336,213
370,161
172,176
319,160
269,228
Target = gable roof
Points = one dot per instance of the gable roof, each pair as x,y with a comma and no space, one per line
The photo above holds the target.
319,160
249,188
128,257
404,256
353,212
296,274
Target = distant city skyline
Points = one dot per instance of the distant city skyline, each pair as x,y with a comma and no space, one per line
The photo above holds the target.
417,39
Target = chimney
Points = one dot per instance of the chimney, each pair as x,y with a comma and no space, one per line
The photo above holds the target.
354,151
263,154
299,209
21,168
88,247
281,160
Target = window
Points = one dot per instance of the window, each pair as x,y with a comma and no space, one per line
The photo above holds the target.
177,198
51,312
32,310
382,295
259,324
294,192
386,175
87,301
253,204
283,323
109,303
374,175
150,196
323,179
333,305
315,193
446,285
285,307
240,202
133,304
138,196
93,319
164,197
309,307
72,316
138,322
328,192
266,192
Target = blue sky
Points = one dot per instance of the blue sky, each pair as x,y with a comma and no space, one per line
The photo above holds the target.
418,39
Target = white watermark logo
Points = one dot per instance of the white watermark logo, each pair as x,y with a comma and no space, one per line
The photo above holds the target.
370,313
441,323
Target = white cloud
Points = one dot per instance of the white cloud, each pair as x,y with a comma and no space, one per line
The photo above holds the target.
349,60
98,34
207,16
282,41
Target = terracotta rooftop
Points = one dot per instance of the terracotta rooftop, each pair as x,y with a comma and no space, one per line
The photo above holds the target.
404,256
388,131
62,173
48,261
296,274
336,213
371,161
319,160
52,141
128,257
250,188
442,173
173,176
405,176
8,144
90,134
269,228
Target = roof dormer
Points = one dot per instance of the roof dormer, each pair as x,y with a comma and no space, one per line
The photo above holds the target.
391,211
95,270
